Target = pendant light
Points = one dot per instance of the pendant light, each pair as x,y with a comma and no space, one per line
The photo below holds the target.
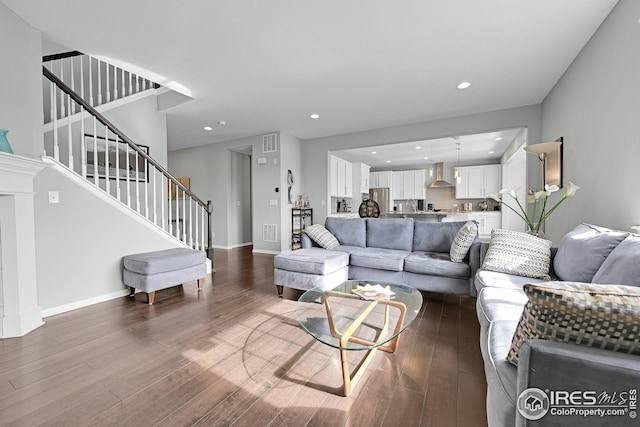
431,159
456,172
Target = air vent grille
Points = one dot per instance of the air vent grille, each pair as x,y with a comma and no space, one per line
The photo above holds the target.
270,143
270,232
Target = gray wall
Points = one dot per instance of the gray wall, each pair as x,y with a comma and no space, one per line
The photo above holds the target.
21,84
596,108
291,157
80,242
315,151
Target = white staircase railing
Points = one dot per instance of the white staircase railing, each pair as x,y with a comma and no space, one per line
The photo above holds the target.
96,81
90,145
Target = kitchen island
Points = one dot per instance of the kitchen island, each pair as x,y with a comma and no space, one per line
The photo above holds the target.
427,216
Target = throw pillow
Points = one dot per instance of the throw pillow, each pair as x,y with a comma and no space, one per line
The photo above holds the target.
321,236
518,253
621,266
463,241
583,250
602,316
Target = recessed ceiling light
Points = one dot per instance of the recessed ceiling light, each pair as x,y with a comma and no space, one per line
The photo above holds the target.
425,158
499,138
374,152
315,116
388,161
418,147
464,85
208,128
491,152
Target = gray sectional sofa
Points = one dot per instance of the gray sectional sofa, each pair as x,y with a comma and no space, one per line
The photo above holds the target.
587,254
404,251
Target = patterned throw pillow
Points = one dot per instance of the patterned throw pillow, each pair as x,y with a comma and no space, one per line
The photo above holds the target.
463,241
321,236
518,253
601,316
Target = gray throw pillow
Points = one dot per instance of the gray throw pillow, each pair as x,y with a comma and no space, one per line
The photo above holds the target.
583,250
322,236
622,266
601,316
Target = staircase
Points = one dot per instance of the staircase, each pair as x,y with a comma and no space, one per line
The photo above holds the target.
80,138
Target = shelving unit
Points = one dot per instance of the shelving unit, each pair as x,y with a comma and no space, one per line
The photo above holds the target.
300,219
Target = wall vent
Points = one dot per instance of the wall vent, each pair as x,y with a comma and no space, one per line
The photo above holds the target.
270,143
270,232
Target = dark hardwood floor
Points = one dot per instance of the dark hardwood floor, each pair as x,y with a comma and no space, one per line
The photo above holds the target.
233,354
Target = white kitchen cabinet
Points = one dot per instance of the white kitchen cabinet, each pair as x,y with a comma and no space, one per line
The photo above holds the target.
361,177
487,221
341,180
380,179
477,182
409,184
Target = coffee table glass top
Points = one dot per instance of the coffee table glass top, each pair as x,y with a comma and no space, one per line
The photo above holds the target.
363,300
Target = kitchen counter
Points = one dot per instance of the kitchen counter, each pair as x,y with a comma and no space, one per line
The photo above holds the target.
429,216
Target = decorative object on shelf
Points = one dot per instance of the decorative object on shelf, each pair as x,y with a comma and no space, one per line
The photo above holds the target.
536,220
4,142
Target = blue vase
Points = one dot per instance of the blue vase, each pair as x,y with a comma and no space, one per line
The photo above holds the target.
4,142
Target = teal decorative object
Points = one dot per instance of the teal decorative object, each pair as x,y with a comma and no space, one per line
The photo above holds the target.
4,142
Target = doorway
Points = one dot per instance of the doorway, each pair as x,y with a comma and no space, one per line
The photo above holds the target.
240,209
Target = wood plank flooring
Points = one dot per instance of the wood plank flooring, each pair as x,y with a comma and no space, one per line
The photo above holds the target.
233,354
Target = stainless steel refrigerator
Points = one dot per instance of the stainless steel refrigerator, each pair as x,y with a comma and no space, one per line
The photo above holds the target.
382,197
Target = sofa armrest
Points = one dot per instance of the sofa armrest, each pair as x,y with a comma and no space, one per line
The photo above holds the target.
560,367
306,242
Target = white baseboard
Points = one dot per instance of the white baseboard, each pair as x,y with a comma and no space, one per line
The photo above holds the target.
239,245
84,303
265,251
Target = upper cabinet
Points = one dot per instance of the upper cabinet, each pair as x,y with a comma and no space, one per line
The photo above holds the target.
361,177
380,179
478,182
341,180
409,185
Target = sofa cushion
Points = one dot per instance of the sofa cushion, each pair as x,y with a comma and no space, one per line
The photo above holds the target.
622,266
583,250
601,316
321,236
436,264
502,376
382,259
348,231
518,253
463,241
394,233
500,304
149,263
311,261
494,279
435,236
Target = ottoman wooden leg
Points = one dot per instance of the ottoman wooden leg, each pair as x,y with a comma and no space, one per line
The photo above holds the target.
200,283
151,297
279,288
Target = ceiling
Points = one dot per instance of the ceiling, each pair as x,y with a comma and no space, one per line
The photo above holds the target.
264,66
477,147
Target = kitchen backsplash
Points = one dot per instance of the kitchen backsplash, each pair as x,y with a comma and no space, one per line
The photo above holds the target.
445,198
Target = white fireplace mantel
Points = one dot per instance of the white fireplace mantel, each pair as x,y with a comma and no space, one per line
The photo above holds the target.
19,310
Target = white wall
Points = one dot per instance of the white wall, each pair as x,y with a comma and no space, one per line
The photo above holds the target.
596,108
21,84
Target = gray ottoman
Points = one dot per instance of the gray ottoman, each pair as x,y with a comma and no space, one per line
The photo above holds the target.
309,268
153,271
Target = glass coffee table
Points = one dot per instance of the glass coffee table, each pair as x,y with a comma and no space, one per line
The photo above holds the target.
355,316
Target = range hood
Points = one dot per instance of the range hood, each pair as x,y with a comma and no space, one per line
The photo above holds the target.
440,182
